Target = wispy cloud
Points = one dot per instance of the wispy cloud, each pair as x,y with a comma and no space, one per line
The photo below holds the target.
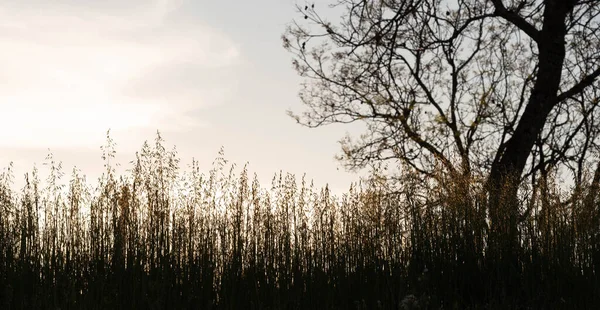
72,69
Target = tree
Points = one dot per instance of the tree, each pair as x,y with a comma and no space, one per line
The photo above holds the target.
504,89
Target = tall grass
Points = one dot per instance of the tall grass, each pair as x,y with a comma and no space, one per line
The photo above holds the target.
159,238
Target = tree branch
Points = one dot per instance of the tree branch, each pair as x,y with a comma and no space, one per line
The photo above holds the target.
516,20
579,87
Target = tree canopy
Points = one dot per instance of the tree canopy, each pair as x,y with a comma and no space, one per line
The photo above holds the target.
485,86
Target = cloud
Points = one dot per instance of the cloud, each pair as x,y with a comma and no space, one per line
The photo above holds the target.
183,83
73,69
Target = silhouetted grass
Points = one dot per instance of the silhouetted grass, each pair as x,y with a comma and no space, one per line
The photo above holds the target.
158,238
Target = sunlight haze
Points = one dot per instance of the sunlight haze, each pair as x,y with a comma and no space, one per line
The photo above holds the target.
205,74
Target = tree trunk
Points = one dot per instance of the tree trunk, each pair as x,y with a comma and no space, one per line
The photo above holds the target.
592,194
505,174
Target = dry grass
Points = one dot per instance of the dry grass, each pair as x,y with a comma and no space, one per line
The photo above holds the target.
162,239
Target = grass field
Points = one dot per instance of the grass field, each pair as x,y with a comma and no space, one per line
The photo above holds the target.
161,238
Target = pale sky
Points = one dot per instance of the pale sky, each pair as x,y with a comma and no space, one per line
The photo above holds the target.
205,73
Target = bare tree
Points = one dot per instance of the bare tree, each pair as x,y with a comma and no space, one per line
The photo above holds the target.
502,89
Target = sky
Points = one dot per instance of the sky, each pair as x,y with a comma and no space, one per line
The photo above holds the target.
204,73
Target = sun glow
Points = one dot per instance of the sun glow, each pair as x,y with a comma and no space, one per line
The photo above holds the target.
68,76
